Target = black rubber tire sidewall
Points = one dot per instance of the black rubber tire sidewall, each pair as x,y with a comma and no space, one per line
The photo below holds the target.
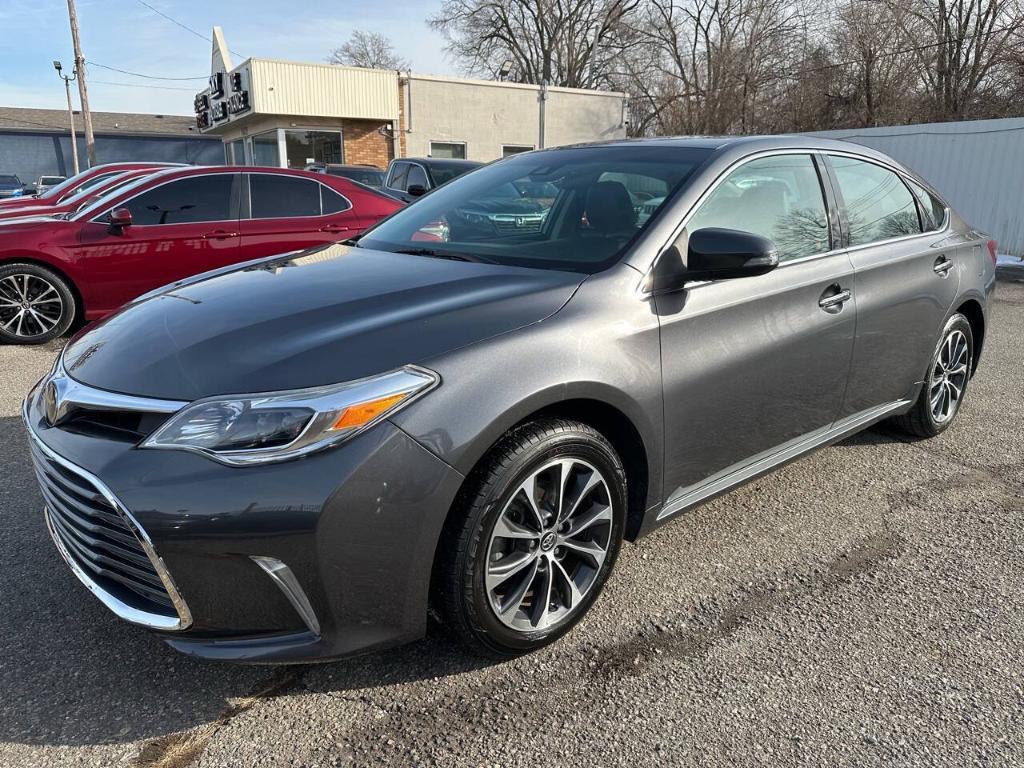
570,440
69,309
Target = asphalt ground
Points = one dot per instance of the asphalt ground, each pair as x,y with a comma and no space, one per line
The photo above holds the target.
862,606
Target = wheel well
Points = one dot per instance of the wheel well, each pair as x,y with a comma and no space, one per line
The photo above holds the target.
79,304
971,309
625,439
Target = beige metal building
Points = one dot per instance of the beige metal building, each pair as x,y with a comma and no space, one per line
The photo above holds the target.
291,114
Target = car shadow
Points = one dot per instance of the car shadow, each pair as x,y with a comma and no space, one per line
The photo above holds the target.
74,674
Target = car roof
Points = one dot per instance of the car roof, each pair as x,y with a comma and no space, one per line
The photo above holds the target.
445,160
746,144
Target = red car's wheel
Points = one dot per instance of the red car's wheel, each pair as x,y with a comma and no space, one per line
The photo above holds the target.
36,304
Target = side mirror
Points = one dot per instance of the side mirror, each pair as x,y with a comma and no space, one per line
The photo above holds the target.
714,254
119,219
416,190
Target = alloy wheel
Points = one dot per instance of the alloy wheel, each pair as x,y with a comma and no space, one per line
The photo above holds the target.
548,545
948,377
30,305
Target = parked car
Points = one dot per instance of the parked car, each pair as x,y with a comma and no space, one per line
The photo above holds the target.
162,227
44,183
290,459
84,180
1009,267
370,175
10,187
84,197
411,177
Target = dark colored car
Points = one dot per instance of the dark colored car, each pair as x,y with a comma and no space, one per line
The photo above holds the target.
83,198
370,175
292,459
411,177
76,184
11,187
162,227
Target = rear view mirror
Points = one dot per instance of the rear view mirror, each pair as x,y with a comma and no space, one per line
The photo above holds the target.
416,190
119,219
713,254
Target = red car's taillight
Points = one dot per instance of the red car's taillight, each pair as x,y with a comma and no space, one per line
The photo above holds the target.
991,245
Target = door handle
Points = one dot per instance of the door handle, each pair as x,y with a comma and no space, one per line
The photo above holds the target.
942,266
334,228
219,234
834,301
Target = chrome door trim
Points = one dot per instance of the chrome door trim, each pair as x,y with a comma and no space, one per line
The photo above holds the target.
645,292
757,465
837,298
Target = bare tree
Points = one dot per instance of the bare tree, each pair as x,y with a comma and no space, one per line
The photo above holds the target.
963,46
368,49
571,43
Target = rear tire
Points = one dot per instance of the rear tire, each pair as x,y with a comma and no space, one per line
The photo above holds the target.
36,304
499,552
945,384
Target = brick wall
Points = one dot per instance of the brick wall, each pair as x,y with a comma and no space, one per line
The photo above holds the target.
364,144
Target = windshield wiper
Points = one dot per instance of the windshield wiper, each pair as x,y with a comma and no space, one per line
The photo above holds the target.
444,255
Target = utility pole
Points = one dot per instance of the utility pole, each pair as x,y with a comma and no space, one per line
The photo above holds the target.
71,113
83,91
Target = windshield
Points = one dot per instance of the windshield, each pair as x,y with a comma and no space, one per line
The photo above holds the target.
8,179
64,186
576,209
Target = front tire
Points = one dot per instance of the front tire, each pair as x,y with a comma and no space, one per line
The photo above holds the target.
532,538
36,304
945,385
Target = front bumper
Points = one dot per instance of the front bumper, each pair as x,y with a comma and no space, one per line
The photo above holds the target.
355,527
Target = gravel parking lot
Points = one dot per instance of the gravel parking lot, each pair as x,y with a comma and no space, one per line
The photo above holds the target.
862,606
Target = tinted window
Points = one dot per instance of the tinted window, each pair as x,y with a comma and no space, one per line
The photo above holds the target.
443,172
417,176
331,201
6,179
371,176
933,210
776,197
197,198
878,204
399,173
278,197
559,209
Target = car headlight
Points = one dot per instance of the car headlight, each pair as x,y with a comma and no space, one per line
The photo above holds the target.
274,426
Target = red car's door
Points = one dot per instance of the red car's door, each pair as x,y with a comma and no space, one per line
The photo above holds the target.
179,228
288,213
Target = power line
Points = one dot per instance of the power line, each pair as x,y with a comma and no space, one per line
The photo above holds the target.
143,85
140,74
186,27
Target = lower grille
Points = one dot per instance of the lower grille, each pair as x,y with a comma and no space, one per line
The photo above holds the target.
107,550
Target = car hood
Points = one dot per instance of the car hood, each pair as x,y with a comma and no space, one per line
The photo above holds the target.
323,316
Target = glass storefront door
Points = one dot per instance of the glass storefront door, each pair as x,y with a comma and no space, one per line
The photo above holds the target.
265,150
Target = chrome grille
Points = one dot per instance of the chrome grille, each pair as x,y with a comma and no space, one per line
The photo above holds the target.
528,224
99,539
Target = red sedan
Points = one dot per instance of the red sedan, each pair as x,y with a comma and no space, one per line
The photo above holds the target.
87,179
163,227
71,203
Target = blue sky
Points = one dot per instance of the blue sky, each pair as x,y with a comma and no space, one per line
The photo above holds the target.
127,35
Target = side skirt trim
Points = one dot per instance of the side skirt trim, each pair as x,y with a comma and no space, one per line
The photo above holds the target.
748,469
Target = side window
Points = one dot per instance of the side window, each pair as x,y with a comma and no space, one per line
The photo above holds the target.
196,198
331,201
878,204
933,210
776,197
399,174
280,197
417,176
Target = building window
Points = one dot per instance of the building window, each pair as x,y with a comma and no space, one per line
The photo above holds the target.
308,147
264,150
236,152
448,150
515,149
